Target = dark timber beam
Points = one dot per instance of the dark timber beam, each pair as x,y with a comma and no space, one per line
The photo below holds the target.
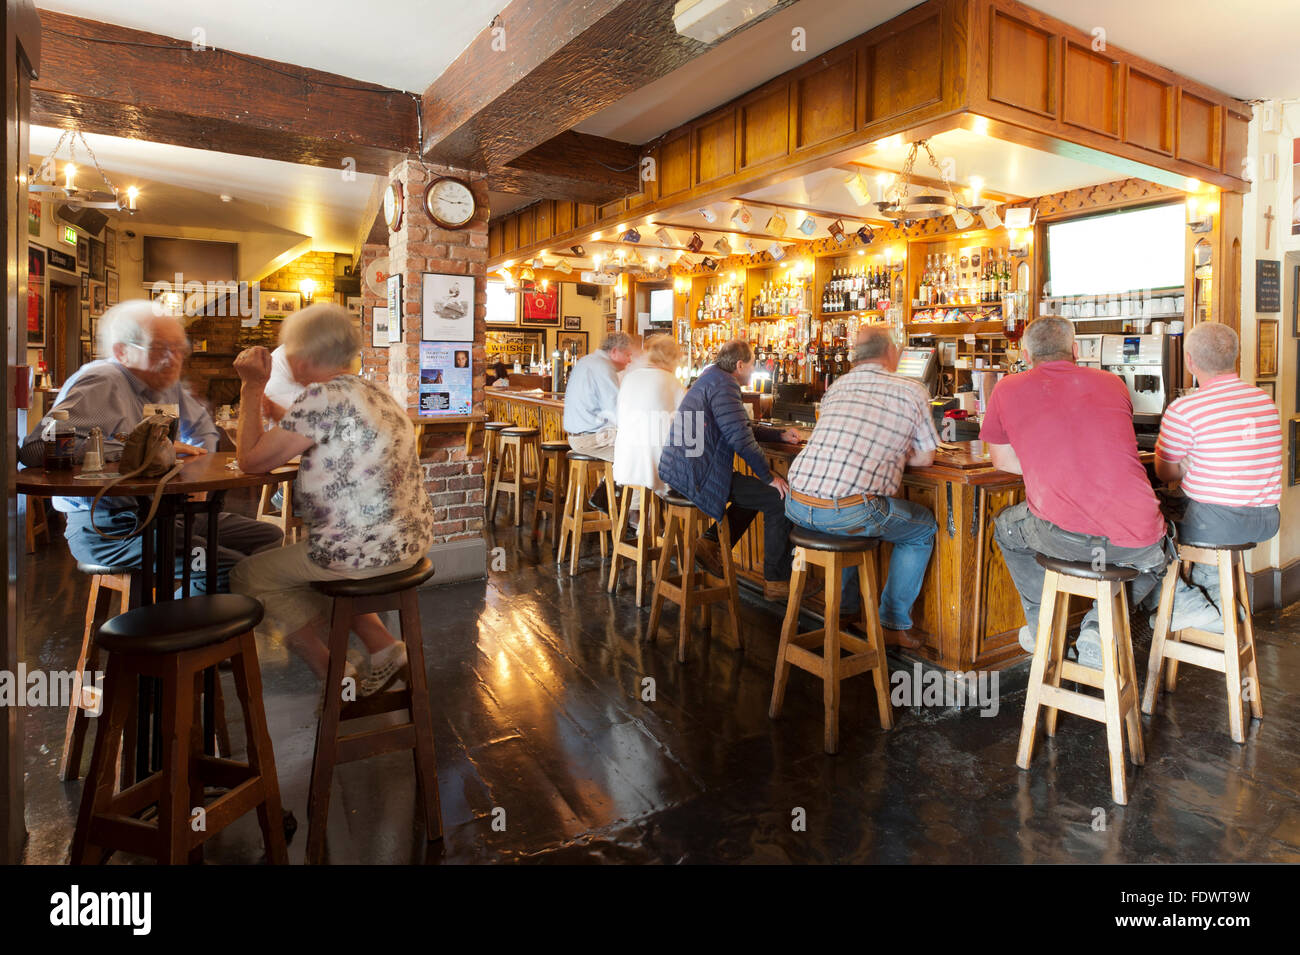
563,62
124,82
572,166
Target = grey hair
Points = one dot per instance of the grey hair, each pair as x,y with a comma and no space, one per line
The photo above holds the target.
126,323
732,354
323,335
616,341
872,343
1049,338
1213,346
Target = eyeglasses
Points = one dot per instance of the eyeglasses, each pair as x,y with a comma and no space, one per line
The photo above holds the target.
159,352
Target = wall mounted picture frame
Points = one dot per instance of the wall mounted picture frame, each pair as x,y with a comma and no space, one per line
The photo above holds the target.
83,252
379,326
36,297
541,306
1295,302
1293,470
575,342
277,305
110,247
97,266
515,344
111,286
502,306
86,322
98,299
34,217
572,323
446,307
1269,388
1266,344
85,288
353,304
393,288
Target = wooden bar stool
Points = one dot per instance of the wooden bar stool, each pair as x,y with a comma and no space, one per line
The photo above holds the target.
833,553
37,522
175,641
491,431
551,481
289,524
104,582
578,520
646,547
1117,707
1202,648
374,595
691,588
516,445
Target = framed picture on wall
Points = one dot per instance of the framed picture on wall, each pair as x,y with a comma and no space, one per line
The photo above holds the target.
110,248
446,307
98,299
34,217
393,286
1295,302
1294,470
97,265
1269,387
516,345
111,286
85,323
379,326
353,305
1266,348
572,323
277,305
35,297
541,305
575,342
502,307
85,288
83,252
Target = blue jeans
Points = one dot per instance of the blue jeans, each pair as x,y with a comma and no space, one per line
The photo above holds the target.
909,527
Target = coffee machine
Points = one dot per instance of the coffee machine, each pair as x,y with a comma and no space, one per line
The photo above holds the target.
1150,367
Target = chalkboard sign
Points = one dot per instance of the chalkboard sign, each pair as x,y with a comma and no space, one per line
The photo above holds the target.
1268,285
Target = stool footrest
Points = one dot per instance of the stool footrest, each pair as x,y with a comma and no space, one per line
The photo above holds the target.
1072,701
387,702
1195,655
1078,673
374,742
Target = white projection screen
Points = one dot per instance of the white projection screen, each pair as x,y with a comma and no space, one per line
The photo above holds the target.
1117,252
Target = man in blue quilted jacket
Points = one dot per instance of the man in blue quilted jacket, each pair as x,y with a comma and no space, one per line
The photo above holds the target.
708,430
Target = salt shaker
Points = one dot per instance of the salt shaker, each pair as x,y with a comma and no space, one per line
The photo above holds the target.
93,461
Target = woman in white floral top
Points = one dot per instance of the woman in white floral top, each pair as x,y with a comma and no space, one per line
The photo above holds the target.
359,491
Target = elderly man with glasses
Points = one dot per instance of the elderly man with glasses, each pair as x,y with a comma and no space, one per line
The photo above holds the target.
144,354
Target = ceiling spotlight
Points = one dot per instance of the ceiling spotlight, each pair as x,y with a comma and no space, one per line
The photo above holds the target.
723,246
708,214
631,235
227,198
695,243
857,187
808,226
740,217
664,236
577,250
776,225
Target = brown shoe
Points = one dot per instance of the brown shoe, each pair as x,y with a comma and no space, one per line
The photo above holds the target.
776,590
902,638
709,556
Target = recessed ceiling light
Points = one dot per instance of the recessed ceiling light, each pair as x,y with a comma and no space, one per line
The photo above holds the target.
226,198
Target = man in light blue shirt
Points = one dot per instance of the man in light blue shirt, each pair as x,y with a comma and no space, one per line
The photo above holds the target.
591,397
146,353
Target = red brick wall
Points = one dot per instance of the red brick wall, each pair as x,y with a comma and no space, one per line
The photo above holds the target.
453,478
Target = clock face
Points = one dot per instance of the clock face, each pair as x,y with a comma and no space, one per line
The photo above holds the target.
450,203
393,205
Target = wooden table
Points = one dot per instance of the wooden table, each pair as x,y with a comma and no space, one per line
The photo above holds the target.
429,424
209,473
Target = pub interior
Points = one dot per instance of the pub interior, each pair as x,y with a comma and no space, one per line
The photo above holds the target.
902,282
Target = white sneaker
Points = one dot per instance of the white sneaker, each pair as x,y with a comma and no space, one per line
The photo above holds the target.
357,667
385,667
1027,639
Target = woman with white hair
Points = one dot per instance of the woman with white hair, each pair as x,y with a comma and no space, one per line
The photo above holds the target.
649,395
359,487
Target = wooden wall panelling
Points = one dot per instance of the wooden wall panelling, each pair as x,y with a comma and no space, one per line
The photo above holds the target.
1022,62
674,166
585,215
544,220
824,104
1090,89
610,210
1234,143
527,223
1199,130
1148,112
763,127
713,147
905,71
510,233
496,238
565,216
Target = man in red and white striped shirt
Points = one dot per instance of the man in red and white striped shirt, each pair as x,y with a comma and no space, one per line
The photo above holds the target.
1223,444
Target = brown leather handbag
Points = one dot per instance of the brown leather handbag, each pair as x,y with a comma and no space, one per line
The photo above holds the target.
147,452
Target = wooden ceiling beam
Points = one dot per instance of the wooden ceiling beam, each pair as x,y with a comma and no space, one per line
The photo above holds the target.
123,82
562,62
572,166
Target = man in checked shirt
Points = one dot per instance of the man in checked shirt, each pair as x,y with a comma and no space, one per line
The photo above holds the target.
873,423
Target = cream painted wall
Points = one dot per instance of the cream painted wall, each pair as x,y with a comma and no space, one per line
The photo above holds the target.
1277,194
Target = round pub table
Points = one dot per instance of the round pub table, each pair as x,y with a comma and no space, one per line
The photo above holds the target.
213,474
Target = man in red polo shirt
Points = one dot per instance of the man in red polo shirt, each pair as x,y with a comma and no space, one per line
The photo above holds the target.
1069,431
1223,445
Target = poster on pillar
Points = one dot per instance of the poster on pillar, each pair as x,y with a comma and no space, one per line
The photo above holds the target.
446,379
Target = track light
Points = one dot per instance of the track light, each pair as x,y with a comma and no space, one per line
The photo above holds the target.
577,250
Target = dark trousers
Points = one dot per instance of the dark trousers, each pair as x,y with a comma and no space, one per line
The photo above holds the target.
749,495
239,537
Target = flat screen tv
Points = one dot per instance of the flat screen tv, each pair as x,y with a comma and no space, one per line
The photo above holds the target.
1125,251
195,260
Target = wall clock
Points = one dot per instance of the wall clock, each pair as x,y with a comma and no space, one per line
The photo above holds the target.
450,203
393,206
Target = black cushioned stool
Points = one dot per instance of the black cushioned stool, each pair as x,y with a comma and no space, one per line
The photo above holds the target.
1118,705
1202,648
833,553
690,588
373,595
175,641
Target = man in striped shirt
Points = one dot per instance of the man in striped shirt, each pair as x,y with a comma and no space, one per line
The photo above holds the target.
873,423
1223,444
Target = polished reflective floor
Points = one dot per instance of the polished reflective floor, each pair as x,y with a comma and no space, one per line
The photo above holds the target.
562,736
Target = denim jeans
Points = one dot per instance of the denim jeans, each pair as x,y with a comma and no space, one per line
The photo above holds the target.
909,527
1219,524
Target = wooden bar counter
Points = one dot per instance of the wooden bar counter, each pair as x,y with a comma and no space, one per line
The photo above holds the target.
968,611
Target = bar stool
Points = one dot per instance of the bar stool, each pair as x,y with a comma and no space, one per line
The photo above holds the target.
646,547
491,430
37,522
284,518
551,481
373,595
1118,703
515,442
578,520
175,641
833,553
690,588
1202,648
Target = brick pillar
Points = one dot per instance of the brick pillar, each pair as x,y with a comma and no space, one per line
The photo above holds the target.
453,478
374,361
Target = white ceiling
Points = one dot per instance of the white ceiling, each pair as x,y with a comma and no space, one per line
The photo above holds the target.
404,44
182,187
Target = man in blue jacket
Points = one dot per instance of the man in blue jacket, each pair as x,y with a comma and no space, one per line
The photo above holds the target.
708,430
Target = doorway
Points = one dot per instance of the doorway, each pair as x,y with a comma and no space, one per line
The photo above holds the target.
64,346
